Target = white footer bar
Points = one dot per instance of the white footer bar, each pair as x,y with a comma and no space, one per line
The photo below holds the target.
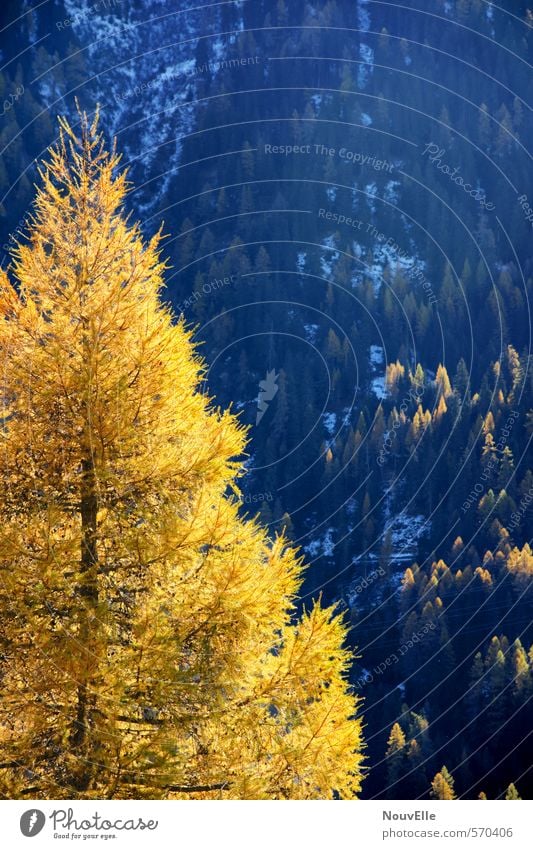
272,825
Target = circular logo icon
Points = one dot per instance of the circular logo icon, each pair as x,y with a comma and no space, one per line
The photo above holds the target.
32,822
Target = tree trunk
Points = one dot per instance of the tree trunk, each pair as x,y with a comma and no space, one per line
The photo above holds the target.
87,592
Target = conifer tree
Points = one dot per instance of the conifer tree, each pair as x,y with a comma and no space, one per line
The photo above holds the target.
512,794
442,785
474,694
520,671
148,641
443,382
395,756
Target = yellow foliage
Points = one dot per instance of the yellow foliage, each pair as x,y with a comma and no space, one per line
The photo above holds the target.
520,565
442,786
148,632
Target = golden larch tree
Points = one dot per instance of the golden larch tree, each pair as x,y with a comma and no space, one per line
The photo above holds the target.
511,794
148,640
442,786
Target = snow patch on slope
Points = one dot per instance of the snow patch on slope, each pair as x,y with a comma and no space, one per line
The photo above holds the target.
322,546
